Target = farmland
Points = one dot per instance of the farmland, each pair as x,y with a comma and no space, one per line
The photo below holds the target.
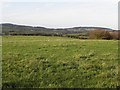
59,62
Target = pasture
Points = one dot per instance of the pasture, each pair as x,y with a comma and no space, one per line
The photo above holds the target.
59,62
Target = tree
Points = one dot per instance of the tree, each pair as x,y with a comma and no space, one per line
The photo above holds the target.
115,35
99,34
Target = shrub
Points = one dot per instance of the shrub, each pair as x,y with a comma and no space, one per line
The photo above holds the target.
99,34
115,35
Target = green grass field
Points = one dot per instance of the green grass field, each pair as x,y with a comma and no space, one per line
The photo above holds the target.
58,62
0,62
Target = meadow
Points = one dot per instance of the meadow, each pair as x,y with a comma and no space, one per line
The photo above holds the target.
59,62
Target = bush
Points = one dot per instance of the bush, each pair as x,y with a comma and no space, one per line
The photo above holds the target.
99,34
115,35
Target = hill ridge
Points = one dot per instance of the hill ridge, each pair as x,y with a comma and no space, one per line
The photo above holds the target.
15,29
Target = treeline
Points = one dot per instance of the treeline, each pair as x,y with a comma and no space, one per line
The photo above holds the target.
97,34
77,36
32,34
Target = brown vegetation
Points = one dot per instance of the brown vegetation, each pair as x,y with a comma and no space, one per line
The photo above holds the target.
102,34
115,35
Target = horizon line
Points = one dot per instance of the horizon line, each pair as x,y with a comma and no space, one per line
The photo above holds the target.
58,27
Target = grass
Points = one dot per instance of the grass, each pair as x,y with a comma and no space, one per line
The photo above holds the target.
57,62
0,62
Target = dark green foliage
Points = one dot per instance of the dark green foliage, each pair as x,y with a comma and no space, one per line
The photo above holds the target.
77,36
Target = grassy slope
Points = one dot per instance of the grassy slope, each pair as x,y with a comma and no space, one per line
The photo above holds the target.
59,62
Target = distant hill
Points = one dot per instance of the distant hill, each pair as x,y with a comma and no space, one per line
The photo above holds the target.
13,29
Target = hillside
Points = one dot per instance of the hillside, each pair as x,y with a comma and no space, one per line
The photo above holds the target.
13,29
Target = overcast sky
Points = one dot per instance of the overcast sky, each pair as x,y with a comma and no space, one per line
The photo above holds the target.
61,13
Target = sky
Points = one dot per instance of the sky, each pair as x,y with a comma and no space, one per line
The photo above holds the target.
60,13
